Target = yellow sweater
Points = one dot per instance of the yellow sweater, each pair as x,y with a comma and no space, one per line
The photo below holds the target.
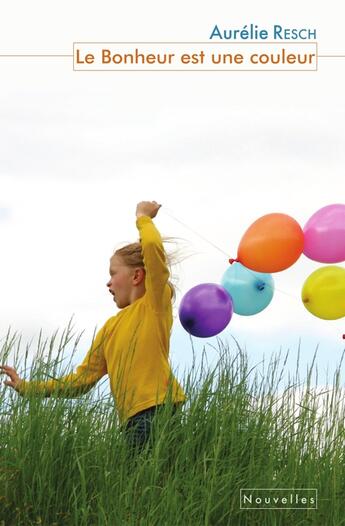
133,346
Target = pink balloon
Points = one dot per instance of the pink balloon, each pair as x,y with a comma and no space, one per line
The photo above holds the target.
324,235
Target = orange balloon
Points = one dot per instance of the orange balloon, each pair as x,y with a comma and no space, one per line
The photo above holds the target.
272,243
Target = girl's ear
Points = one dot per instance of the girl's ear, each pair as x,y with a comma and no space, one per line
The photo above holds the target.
139,275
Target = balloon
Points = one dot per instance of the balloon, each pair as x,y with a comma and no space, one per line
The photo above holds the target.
272,243
250,291
324,235
323,293
205,310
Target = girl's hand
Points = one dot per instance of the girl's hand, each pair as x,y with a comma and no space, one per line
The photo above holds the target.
12,373
147,208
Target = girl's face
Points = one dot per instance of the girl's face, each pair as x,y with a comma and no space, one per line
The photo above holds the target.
121,282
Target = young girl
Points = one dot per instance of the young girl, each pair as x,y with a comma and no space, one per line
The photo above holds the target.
133,346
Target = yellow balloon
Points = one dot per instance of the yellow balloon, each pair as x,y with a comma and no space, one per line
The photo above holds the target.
323,293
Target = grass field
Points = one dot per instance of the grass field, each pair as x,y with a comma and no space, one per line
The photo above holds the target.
65,461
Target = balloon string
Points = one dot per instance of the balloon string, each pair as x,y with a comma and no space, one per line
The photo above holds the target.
222,251
195,232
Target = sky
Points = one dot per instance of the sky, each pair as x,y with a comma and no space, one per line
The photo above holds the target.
218,150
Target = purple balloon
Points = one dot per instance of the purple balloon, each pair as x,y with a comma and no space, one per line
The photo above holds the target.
324,235
205,310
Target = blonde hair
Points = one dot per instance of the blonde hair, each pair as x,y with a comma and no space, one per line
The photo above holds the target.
132,256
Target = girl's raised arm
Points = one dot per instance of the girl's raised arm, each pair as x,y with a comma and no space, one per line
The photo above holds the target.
156,269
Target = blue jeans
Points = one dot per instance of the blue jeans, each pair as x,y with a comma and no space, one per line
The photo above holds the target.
139,426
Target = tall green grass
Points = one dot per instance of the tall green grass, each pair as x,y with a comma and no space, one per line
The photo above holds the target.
66,462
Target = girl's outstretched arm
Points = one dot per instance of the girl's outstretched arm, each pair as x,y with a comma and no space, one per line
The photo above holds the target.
70,386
